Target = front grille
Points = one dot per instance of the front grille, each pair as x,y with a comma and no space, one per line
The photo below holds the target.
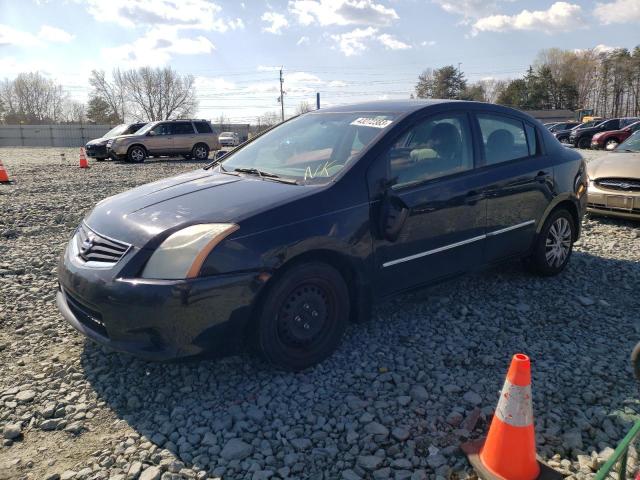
624,184
93,247
85,315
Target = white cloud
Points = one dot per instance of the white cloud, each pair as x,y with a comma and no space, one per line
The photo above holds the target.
19,38
392,43
342,12
304,40
156,48
277,21
337,84
469,9
601,48
12,36
54,35
267,68
428,43
179,14
354,42
561,16
618,11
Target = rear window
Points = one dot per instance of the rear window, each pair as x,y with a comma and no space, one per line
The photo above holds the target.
203,127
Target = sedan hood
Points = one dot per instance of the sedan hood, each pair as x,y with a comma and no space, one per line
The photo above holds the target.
98,141
202,196
619,165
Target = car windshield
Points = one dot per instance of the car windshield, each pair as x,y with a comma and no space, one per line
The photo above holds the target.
311,148
117,130
631,144
146,128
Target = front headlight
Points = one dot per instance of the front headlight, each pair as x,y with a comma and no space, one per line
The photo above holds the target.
182,254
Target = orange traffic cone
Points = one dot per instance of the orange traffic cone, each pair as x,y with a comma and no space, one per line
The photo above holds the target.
509,451
83,159
4,176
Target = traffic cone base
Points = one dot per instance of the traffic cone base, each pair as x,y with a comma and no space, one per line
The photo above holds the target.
4,176
509,450
472,450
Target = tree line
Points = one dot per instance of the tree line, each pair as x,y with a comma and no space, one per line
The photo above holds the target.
143,94
606,81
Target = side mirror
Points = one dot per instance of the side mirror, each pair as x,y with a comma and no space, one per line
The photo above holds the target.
151,133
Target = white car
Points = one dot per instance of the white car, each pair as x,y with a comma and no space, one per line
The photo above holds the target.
229,139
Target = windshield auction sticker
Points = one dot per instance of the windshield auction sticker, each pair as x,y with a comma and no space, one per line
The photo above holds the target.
375,122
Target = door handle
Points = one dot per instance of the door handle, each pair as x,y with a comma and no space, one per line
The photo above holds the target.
542,177
474,197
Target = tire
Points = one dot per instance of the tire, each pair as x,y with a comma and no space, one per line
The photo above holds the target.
200,151
303,317
584,142
553,245
100,159
136,154
611,143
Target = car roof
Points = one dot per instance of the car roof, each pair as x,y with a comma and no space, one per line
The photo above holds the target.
391,106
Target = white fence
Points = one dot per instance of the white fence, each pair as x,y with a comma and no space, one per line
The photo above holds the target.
50,135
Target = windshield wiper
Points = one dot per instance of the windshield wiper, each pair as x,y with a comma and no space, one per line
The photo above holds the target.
266,175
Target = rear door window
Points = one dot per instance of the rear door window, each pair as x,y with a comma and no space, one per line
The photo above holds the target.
203,127
504,138
182,128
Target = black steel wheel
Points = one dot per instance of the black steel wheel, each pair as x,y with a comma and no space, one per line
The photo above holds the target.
303,316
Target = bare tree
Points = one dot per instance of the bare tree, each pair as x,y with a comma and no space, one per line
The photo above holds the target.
112,92
159,93
73,112
303,107
492,88
267,120
32,98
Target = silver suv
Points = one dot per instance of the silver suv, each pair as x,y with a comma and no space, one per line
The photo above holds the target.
188,138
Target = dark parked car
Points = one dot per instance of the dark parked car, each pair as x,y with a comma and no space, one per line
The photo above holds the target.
98,148
581,137
563,135
558,127
300,229
612,138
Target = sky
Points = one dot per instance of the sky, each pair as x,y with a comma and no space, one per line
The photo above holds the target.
348,50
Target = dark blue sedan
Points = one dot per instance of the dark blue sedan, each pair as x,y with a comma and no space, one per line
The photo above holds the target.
281,243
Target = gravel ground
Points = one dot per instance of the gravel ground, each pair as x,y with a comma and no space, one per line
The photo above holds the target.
397,399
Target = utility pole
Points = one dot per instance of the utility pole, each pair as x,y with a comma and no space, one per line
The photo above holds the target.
459,77
317,100
281,94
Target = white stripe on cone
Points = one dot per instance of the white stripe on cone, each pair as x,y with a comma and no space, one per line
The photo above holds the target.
515,407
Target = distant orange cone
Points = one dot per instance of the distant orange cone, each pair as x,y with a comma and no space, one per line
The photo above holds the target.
83,159
509,451
4,176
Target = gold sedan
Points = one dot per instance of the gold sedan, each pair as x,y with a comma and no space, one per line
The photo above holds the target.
614,181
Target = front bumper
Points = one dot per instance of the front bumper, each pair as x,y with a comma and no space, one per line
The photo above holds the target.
157,319
595,145
615,203
96,151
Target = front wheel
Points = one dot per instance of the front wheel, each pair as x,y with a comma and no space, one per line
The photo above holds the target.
200,151
584,143
303,317
611,144
554,244
136,154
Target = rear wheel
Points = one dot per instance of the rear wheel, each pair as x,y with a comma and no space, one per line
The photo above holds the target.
303,316
200,151
554,244
584,143
136,154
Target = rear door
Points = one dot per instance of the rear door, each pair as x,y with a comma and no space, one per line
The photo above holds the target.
520,183
431,167
184,137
